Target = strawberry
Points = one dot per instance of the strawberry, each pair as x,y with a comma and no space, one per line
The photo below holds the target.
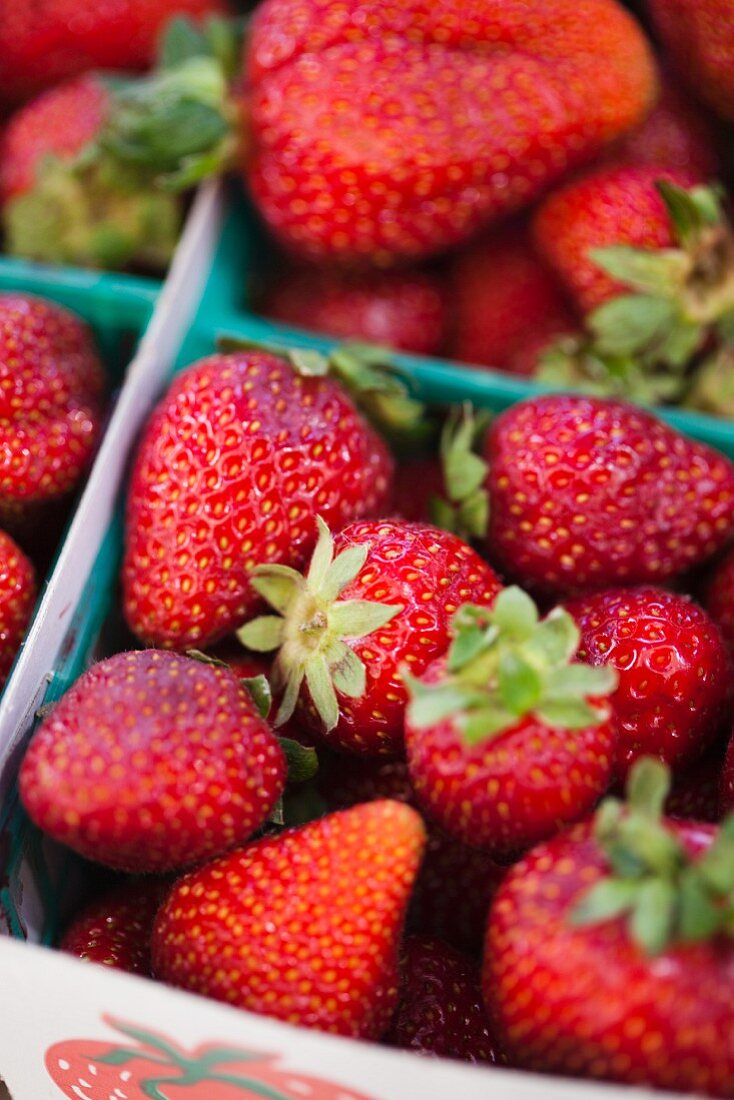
60,206
609,951
676,134
694,793
115,929
43,42
404,309
674,690
233,465
17,600
507,740
726,793
440,1012
718,596
699,34
508,307
377,598
308,922
588,493
152,761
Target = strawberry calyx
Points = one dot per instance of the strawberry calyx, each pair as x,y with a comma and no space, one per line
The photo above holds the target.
505,663
464,509
666,895
712,387
311,626
577,363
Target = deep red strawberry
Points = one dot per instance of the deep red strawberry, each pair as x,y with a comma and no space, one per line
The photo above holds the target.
699,34
694,792
404,309
718,597
378,598
507,305
587,493
674,672
235,463
608,953
507,739
726,793
308,921
676,134
440,1012
115,929
152,761
17,599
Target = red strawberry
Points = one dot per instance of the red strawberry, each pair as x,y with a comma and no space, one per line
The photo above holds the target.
694,794
235,462
609,952
60,207
42,42
587,493
718,597
440,1012
381,131
115,929
508,307
404,309
17,599
152,761
726,796
674,672
377,598
345,781
700,37
676,134
309,922
507,740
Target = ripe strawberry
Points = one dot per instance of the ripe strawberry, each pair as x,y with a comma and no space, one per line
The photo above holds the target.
45,41
699,34
309,922
694,793
676,134
718,597
17,599
115,929
609,951
152,761
588,493
440,1012
726,794
59,206
507,740
234,464
377,598
674,672
404,309
507,305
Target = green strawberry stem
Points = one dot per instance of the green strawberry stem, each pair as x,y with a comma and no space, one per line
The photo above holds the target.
309,630
465,507
665,895
505,663
576,362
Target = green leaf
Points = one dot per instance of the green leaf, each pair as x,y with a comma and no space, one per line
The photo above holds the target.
206,658
580,680
716,866
303,763
345,568
608,898
680,342
726,327
303,804
659,272
571,714
648,787
652,920
430,705
259,689
262,635
515,614
629,324
473,516
474,632
308,363
520,683
690,211
292,679
698,917
322,557
358,618
557,637
464,471
484,722
182,40
276,815
348,673
322,691
278,584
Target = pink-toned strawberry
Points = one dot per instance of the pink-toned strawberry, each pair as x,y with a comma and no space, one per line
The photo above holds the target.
699,34
404,309
718,597
507,305
507,738
609,951
60,206
587,493
440,1012
235,463
676,134
152,761
378,598
115,929
674,672
726,791
17,599
309,921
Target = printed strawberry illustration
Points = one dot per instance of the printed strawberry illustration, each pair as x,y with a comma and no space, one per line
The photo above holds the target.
235,463
115,929
609,948
700,39
507,738
587,493
152,761
377,597
309,921
151,1066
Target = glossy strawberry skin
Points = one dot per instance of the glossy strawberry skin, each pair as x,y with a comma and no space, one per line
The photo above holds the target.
588,493
441,1013
151,762
115,929
428,571
17,599
586,1001
718,597
700,39
45,41
607,206
235,463
404,309
674,671
383,131
309,921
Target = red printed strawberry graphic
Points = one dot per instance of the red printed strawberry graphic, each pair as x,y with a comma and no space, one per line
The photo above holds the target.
150,1066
